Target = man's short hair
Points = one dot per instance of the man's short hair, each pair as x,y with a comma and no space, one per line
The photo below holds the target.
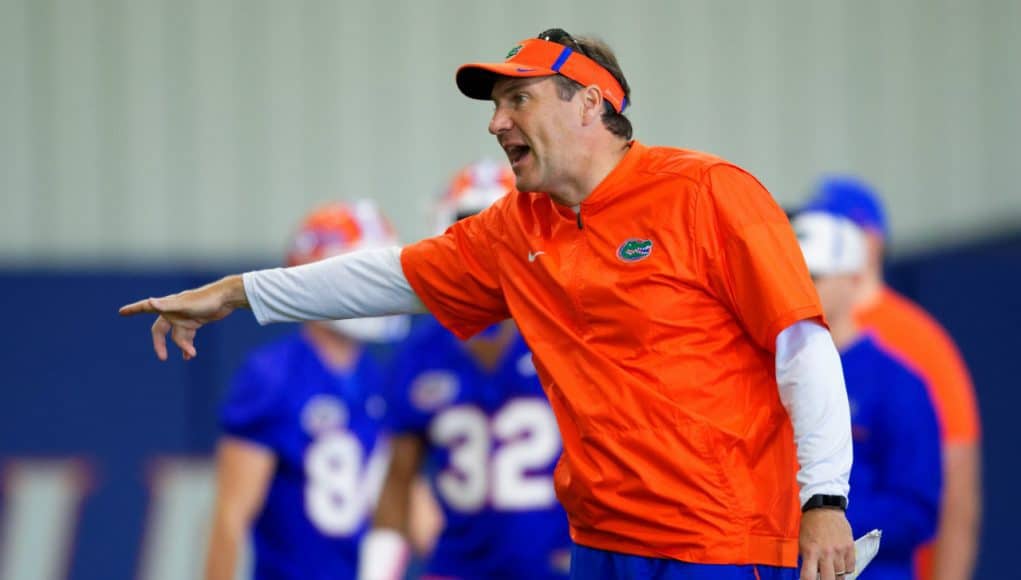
600,52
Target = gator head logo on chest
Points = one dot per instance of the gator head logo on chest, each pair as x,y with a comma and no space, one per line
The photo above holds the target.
634,249
323,413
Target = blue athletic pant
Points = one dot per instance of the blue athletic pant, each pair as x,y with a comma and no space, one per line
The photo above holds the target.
594,564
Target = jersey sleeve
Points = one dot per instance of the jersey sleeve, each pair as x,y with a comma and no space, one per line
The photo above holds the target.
903,499
402,417
750,257
456,275
251,409
406,370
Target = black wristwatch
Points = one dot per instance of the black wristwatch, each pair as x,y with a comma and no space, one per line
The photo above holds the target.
825,501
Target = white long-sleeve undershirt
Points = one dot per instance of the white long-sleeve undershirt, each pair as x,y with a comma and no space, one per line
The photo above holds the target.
811,383
372,283
354,285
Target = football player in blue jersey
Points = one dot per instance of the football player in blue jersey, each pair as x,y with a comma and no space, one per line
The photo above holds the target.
475,416
302,455
896,479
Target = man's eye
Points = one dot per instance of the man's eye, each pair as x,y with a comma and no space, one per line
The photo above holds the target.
520,98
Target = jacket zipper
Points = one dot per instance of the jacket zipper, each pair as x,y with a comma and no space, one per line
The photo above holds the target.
580,247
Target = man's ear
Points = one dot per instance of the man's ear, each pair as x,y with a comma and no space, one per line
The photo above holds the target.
874,246
592,105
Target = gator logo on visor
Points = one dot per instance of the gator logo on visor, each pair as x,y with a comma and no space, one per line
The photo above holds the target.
512,52
634,250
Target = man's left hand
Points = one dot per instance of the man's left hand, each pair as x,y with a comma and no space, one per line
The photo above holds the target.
826,545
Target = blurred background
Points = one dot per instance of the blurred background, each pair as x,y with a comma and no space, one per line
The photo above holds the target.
151,145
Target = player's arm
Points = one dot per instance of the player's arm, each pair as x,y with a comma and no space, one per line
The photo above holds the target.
960,518
243,473
426,518
384,551
904,501
956,544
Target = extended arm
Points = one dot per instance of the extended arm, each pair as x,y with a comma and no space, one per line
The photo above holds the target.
355,285
358,284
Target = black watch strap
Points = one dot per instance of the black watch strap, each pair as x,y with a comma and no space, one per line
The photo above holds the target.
825,501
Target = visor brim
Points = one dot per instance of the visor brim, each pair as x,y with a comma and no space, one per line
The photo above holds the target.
476,80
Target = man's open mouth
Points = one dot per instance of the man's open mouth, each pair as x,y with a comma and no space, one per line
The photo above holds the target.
517,153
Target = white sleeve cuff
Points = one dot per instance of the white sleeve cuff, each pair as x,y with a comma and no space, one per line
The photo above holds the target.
383,555
811,383
355,285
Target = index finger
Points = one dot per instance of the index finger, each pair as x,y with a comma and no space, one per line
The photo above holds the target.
140,307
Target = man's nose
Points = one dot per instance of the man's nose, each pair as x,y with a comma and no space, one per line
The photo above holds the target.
500,123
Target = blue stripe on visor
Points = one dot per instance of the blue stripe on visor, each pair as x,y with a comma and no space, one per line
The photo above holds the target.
564,55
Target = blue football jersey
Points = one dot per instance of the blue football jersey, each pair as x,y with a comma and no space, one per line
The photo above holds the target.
492,445
325,431
897,475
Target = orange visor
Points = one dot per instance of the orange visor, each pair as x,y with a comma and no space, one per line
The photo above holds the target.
537,58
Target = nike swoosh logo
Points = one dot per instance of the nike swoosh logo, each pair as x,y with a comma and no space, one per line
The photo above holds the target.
533,255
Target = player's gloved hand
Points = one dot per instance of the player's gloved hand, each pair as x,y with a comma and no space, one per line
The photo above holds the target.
826,545
182,314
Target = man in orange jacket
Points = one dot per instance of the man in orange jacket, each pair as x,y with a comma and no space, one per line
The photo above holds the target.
674,325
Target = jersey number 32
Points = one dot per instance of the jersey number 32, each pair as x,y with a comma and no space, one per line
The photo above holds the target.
504,459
